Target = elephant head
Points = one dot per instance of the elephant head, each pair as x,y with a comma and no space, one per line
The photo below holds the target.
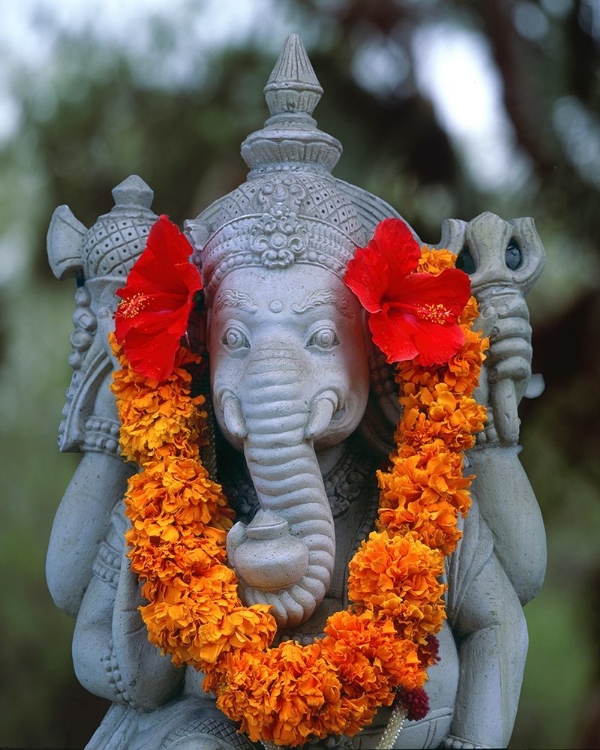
289,375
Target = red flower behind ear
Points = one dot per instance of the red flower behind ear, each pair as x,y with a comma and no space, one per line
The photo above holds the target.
157,301
411,314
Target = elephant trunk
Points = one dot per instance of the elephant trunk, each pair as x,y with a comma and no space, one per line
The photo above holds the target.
285,556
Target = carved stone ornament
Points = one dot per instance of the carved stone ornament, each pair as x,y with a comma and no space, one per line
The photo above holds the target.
302,410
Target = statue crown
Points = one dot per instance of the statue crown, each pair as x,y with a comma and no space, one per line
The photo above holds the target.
291,209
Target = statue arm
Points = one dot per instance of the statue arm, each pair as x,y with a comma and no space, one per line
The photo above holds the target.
505,496
80,524
491,635
510,507
112,655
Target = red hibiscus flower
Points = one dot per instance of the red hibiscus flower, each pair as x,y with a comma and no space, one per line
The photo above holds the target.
411,314
157,301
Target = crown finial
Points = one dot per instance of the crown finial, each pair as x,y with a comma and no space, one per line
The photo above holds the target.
133,192
293,86
290,138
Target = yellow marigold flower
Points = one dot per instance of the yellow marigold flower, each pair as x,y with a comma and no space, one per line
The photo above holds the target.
435,261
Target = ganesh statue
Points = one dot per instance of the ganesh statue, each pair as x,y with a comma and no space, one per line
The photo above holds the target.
299,518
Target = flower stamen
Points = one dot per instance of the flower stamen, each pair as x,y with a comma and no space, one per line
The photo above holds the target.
133,306
434,313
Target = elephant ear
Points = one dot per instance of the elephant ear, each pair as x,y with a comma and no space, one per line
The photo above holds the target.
370,209
383,411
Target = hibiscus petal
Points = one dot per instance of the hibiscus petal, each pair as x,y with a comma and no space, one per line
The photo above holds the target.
367,276
394,241
392,337
423,294
151,356
376,271
158,269
157,301
436,344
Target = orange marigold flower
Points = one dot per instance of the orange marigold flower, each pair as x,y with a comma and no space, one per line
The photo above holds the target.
153,416
288,695
424,492
175,491
429,415
398,577
250,628
370,656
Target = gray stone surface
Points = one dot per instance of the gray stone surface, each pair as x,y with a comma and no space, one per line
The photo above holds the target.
308,410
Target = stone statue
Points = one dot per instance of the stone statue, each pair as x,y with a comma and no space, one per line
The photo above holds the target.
304,412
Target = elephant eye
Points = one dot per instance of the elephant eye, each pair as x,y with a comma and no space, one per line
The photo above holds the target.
235,339
324,338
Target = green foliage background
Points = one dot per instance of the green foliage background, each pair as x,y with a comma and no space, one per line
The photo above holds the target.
100,112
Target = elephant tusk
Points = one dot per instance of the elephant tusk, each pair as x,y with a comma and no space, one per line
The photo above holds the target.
321,414
233,417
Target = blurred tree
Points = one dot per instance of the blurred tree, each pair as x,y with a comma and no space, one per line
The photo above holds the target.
102,111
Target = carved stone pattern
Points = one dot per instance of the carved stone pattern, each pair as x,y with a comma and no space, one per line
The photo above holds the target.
320,297
113,245
336,742
115,678
85,324
278,238
269,154
283,191
457,743
345,483
326,246
368,524
235,299
107,565
102,435
81,339
319,198
211,727
293,85
382,377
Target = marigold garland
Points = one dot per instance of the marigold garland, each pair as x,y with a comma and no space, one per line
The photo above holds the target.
378,648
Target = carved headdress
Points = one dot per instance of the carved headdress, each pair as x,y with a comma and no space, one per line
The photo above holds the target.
291,209
100,258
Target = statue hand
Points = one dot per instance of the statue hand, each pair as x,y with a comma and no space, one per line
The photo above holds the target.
510,351
458,743
149,678
507,367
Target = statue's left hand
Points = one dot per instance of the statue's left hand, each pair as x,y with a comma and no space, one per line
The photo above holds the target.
151,678
507,367
510,353
457,743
